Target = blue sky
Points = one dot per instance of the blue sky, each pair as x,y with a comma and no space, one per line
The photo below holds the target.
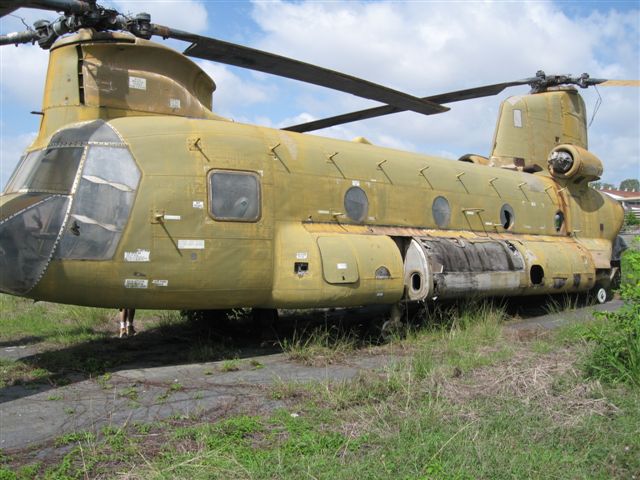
423,48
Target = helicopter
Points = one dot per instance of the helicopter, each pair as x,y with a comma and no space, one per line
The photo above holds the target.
135,193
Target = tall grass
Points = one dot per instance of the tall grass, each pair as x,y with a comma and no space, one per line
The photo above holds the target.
615,356
321,345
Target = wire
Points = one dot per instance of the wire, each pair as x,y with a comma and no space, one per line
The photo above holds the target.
28,27
597,107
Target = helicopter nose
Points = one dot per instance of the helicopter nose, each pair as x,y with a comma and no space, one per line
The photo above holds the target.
30,225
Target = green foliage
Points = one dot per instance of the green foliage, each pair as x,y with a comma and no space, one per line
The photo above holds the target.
630,265
615,357
6,474
631,184
630,219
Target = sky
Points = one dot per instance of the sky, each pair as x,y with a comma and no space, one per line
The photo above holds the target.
420,47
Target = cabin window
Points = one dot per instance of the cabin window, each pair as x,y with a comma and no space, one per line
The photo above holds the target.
234,196
356,204
441,212
507,216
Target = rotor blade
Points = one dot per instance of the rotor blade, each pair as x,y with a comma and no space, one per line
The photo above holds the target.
620,83
240,56
457,96
16,38
67,6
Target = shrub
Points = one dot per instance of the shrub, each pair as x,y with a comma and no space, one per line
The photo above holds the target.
615,357
630,219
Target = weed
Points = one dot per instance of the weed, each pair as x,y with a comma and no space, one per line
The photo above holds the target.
630,265
142,428
561,303
129,392
16,372
256,364
615,356
74,437
230,365
173,388
103,381
321,346
54,398
283,390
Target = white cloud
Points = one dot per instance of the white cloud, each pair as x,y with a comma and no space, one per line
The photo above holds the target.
22,74
232,91
429,47
423,48
11,149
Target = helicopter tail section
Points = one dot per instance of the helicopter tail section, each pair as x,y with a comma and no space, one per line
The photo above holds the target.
529,127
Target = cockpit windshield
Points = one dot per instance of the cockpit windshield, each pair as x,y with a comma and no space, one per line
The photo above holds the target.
51,170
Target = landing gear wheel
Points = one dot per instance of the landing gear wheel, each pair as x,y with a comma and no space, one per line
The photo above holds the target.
600,294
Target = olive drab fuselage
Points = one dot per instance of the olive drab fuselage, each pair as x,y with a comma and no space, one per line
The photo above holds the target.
135,194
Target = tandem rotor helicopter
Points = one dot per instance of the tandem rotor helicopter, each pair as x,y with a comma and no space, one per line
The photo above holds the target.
135,193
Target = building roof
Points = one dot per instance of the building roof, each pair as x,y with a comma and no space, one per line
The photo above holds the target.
622,194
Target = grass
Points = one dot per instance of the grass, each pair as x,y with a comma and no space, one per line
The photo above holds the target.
464,399
26,322
232,365
523,416
322,345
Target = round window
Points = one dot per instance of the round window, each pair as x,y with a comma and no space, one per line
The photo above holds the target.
507,216
441,212
558,221
356,204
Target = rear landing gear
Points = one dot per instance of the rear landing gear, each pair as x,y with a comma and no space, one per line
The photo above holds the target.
393,327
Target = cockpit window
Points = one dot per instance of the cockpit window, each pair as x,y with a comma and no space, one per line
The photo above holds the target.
102,203
51,170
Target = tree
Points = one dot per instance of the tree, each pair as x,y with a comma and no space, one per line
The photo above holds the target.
631,184
602,186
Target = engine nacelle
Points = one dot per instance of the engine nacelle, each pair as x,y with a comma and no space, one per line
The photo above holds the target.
573,162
